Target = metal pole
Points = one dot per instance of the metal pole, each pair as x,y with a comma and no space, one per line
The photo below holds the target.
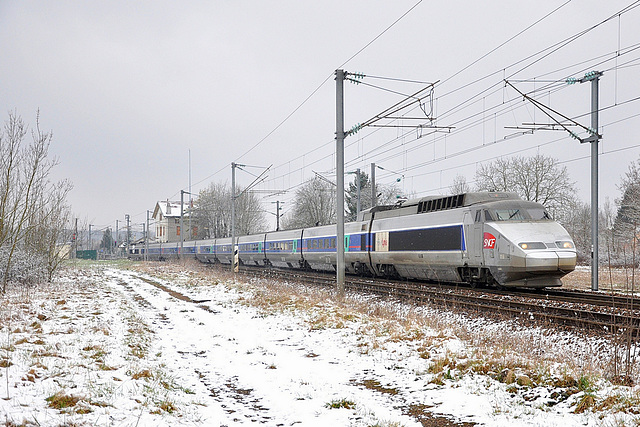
358,186
117,237
594,77
340,74
181,222
146,240
594,184
75,240
90,242
278,215
128,233
233,218
374,198
190,200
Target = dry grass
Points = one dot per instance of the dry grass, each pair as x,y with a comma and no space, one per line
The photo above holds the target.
61,400
384,321
61,332
341,403
521,359
618,280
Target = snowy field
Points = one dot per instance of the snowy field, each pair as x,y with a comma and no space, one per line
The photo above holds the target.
164,345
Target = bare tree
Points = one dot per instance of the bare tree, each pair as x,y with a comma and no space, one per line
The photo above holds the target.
250,216
627,218
212,212
539,179
387,194
314,204
53,230
459,185
577,221
629,204
29,202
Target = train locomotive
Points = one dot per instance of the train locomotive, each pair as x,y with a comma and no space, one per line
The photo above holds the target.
480,238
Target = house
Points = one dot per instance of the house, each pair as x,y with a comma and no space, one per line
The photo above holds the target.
167,218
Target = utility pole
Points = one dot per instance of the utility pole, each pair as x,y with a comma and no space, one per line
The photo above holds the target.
234,248
181,222
374,198
128,233
358,187
594,78
340,74
182,193
90,240
75,240
190,199
117,237
278,209
146,240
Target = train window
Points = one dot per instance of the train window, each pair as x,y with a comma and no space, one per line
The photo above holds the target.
333,243
539,214
487,216
314,245
509,215
478,216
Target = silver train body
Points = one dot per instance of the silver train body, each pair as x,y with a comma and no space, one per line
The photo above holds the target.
475,238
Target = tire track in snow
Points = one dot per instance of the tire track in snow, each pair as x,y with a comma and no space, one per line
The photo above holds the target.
241,404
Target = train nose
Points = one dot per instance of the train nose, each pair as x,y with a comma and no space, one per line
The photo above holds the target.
550,261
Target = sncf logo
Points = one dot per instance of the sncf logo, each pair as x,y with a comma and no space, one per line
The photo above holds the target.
489,241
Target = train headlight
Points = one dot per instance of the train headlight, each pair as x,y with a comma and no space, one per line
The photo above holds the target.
532,245
565,244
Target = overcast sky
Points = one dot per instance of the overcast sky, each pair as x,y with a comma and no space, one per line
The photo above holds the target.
129,89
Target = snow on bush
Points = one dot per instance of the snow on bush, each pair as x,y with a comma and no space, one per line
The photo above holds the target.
25,268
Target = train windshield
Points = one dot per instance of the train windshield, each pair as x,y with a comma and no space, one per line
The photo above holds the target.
539,214
515,213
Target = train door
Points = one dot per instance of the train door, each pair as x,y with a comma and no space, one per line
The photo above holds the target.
476,245
468,236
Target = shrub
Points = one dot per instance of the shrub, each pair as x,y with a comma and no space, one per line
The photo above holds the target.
25,268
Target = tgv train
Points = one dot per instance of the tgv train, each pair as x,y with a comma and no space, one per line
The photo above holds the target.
484,238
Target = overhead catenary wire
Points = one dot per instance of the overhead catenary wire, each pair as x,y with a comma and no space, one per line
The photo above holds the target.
628,8
471,118
313,92
325,81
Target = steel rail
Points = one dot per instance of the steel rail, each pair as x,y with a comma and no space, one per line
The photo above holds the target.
601,313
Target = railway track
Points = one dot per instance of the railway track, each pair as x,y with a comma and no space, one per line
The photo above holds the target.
601,313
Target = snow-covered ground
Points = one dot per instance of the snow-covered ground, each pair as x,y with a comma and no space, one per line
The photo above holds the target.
162,345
